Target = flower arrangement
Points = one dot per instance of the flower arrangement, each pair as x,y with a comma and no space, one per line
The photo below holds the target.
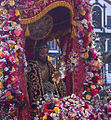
11,49
102,103
10,52
84,30
67,108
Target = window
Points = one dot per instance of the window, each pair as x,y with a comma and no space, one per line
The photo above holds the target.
97,17
53,45
109,67
54,52
109,45
108,21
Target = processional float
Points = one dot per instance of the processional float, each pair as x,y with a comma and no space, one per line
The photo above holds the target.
23,23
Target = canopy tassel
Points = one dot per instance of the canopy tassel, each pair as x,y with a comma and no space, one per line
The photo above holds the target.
27,32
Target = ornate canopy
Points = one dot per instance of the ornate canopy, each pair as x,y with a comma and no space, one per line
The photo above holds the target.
48,16
42,7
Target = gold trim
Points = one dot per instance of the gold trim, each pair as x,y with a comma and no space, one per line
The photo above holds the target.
40,77
47,9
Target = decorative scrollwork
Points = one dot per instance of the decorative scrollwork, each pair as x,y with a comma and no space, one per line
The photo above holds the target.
41,28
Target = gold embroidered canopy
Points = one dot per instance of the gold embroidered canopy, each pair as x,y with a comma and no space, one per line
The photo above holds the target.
42,7
46,16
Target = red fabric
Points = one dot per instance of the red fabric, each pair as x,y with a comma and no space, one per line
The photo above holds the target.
29,48
68,79
80,73
23,113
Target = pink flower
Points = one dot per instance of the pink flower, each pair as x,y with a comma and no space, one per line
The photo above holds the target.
81,28
7,16
81,8
29,3
92,62
17,32
12,11
5,28
89,17
87,77
12,59
99,65
16,78
34,6
93,68
82,1
7,93
94,55
82,49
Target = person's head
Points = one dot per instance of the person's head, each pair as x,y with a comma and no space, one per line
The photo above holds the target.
41,51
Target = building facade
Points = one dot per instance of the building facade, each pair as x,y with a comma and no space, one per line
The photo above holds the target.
101,20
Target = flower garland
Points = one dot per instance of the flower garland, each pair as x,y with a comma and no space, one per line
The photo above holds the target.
10,52
71,107
72,62
84,29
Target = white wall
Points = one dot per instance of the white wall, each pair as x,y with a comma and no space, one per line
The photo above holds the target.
108,13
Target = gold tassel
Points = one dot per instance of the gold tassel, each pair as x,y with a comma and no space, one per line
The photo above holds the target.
27,32
74,33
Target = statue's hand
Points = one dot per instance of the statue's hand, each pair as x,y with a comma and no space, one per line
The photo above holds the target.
56,76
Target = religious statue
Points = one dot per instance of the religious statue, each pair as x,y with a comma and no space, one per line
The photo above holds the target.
42,78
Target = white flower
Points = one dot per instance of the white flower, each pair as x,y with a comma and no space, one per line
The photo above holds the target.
9,86
16,47
36,118
3,60
6,53
84,21
0,93
5,36
53,115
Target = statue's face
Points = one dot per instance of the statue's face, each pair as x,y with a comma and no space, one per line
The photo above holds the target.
43,54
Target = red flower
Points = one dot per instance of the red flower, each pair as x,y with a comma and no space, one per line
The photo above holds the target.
93,68
86,106
6,56
45,108
9,82
14,73
85,39
9,77
20,98
0,113
94,55
2,65
85,45
90,29
99,77
15,84
14,65
109,109
64,79
94,91
50,111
